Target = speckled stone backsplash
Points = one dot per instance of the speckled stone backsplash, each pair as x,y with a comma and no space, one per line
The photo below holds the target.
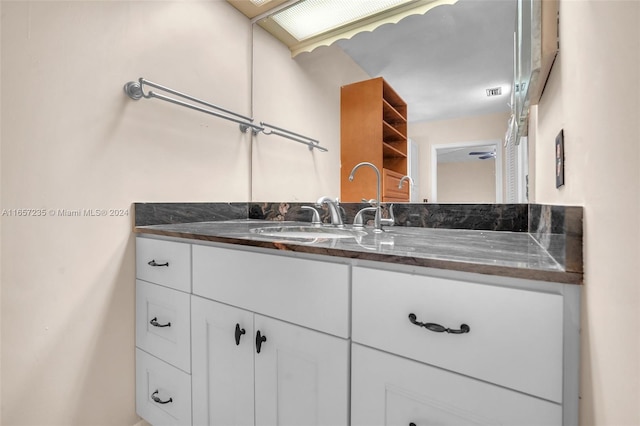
168,213
490,217
543,221
558,229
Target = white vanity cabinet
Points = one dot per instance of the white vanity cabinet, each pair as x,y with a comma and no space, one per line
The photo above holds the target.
229,335
269,339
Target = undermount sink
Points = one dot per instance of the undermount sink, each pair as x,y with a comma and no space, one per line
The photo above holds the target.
308,232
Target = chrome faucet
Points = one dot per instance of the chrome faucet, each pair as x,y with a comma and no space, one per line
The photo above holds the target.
378,221
334,210
409,178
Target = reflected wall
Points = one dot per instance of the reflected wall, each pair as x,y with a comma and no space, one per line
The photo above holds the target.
301,95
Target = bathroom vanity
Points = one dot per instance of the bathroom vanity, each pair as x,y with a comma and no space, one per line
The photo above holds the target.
237,326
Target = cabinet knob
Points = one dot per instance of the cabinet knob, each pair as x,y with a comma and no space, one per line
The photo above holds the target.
158,400
437,328
154,263
259,340
154,322
239,333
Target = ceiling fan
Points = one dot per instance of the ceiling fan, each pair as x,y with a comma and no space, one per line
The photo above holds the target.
484,155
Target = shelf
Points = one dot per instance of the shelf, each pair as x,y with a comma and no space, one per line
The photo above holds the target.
391,134
391,115
389,151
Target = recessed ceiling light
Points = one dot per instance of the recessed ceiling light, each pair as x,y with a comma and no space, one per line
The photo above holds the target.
308,18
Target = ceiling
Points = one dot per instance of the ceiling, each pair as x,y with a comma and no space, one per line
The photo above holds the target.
442,62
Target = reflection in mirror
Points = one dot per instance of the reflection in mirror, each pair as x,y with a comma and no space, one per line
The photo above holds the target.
467,172
444,64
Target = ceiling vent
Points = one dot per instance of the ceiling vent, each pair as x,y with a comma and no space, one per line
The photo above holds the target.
496,91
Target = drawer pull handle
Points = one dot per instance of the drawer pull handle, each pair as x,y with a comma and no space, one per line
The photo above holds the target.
464,328
158,400
154,322
154,263
239,333
259,340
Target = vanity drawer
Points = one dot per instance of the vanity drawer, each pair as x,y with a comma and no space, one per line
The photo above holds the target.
163,393
390,190
163,323
313,294
514,339
164,262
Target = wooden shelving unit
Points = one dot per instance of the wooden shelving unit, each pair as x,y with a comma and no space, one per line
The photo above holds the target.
373,128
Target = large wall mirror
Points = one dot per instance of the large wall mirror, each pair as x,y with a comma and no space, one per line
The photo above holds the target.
452,65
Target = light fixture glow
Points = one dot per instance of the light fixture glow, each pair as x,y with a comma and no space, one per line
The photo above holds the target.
312,17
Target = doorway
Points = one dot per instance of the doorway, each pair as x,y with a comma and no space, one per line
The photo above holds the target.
467,172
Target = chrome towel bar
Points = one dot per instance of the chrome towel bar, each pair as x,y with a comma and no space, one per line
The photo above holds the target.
269,129
135,90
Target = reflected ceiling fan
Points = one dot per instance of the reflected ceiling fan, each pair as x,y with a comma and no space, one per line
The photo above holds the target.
483,155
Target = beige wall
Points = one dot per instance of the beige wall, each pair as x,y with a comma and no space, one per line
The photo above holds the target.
465,129
302,95
467,182
0,219
71,139
594,95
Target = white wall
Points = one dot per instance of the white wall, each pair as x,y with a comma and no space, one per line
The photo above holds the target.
594,95
302,95
465,129
71,139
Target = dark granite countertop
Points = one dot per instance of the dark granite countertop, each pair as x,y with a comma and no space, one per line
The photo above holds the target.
501,253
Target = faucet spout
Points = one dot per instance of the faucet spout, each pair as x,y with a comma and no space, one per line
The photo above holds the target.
409,178
377,220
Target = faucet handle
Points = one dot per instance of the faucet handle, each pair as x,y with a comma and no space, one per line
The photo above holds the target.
391,220
358,222
315,219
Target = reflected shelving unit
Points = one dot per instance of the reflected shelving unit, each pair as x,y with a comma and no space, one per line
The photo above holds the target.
373,128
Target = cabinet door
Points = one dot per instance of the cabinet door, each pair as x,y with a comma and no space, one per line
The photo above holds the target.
390,390
222,365
301,376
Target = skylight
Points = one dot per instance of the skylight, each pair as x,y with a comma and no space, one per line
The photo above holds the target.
309,18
